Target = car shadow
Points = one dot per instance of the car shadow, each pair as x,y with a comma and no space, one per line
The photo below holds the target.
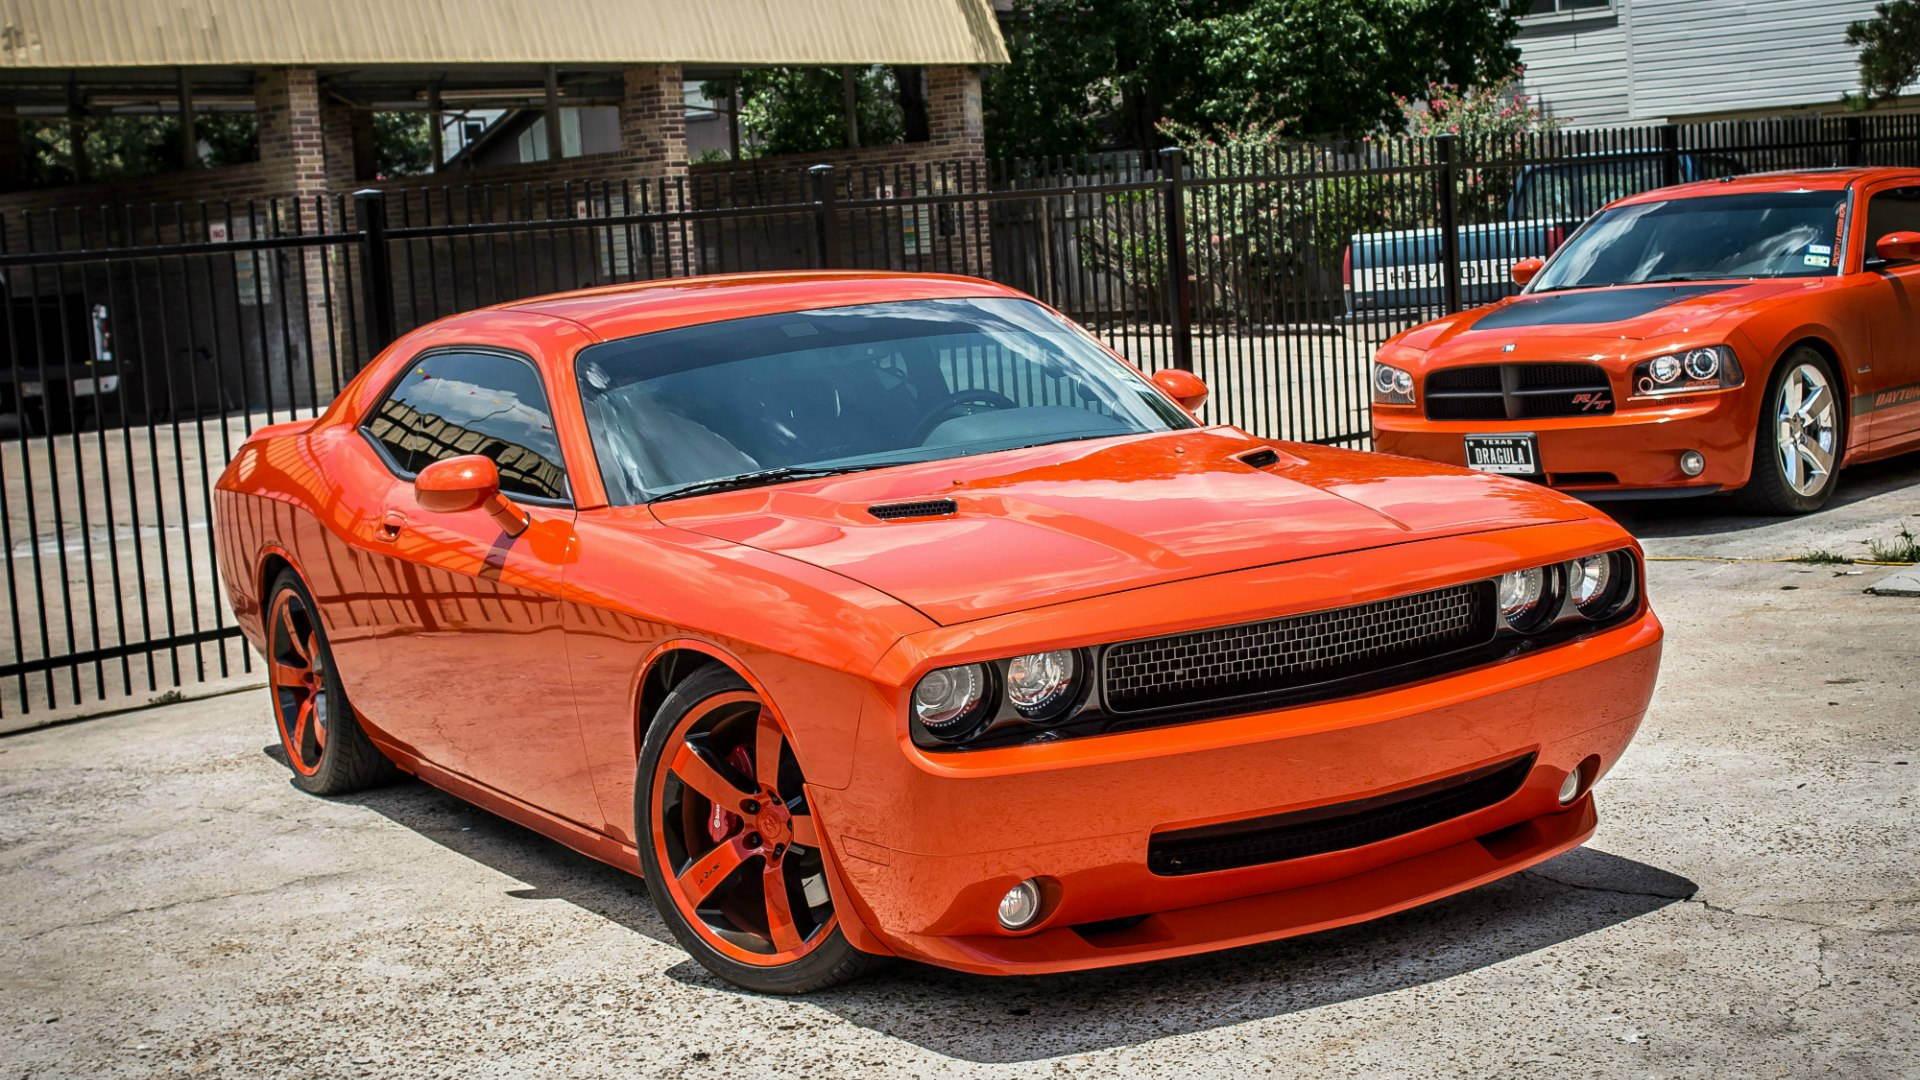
1005,1020
1651,519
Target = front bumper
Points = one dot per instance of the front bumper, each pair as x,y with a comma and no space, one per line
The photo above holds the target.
924,853
1635,448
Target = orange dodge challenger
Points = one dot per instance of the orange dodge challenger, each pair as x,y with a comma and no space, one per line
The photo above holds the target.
1753,333
881,615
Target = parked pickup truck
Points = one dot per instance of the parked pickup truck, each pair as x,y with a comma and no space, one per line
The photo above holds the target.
57,371
1398,273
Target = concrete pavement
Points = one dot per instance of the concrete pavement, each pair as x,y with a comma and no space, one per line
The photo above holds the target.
1749,906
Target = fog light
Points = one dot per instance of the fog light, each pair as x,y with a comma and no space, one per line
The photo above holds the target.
1693,462
1021,906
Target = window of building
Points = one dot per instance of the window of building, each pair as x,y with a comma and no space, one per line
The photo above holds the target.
1528,9
454,403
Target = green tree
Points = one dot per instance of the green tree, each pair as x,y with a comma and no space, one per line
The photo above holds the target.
123,146
1889,45
1087,72
800,110
402,144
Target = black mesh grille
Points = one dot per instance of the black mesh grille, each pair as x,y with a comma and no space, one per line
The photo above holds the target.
1518,392
1280,837
1288,655
923,508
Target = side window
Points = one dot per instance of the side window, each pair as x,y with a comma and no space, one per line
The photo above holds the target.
1893,210
455,403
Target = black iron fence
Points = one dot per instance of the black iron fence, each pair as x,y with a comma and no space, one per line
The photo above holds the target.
144,343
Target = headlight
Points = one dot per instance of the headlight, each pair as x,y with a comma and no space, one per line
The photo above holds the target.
947,701
1528,598
1040,686
1391,385
1600,583
1709,367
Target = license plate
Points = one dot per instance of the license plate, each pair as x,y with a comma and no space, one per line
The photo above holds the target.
31,389
1514,455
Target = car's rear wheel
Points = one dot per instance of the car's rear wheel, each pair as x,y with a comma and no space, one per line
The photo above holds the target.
1802,436
329,753
729,847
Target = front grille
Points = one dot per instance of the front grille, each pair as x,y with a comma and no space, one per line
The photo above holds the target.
922,509
1303,833
1296,655
1518,392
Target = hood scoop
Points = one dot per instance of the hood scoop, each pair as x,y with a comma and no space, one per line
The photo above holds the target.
923,508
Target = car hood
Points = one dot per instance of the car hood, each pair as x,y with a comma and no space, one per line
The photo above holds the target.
1633,312
1051,524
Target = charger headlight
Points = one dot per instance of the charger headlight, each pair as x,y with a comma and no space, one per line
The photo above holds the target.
1707,367
1391,385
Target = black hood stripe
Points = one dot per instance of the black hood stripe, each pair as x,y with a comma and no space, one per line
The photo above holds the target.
1591,306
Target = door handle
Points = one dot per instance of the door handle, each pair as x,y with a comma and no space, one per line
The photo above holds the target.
389,529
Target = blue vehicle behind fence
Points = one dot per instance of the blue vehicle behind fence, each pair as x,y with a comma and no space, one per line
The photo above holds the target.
1399,274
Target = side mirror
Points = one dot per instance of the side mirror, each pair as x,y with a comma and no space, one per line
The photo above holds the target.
1898,247
1182,386
469,482
1524,270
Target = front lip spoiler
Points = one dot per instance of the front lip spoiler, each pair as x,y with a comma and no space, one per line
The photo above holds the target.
1249,920
1650,494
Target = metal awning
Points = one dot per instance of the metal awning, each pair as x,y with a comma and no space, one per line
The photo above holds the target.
64,35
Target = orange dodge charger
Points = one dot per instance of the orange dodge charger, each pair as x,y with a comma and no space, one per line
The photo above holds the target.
877,616
1753,333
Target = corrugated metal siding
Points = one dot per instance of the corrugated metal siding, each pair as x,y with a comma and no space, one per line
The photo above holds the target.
160,33
1578,70
1705,56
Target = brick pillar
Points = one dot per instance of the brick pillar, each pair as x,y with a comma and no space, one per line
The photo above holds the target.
957,138
13,158
653,136
293,130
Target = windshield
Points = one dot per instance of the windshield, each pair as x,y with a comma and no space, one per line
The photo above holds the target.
1770,234
776,397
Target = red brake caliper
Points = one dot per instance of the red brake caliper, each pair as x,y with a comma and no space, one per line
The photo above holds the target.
723,823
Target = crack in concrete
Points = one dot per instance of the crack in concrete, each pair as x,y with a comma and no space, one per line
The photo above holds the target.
187,902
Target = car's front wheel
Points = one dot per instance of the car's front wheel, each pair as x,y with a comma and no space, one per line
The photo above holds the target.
329,753
1802,436
729,847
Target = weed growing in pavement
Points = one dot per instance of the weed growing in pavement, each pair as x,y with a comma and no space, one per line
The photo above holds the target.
1818,557
1903,548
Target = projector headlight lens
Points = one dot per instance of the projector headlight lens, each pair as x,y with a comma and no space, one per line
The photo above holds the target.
1040,686
1525,600
1598,583
947,701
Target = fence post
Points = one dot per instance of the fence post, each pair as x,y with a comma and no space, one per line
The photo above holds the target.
1856,141
1445,148
376,271
826,236
1669,154
1173,162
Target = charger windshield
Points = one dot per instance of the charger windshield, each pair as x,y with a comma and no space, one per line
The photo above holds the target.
1708,238
779,397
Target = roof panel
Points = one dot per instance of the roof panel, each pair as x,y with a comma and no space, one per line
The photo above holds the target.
63,34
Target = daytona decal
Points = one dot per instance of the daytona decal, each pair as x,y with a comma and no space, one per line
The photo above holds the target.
1886,399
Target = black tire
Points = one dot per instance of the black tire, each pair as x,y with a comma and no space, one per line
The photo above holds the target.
345,760
1769,489
831,962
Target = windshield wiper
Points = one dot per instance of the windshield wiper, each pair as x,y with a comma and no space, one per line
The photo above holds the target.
763,477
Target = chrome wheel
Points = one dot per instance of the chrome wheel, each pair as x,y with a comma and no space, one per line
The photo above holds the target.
1808,433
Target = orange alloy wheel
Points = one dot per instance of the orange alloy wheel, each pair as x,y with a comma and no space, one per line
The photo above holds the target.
298,669
732,833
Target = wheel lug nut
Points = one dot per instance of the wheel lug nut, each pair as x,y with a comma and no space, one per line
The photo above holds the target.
750,807
779,850
753,839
